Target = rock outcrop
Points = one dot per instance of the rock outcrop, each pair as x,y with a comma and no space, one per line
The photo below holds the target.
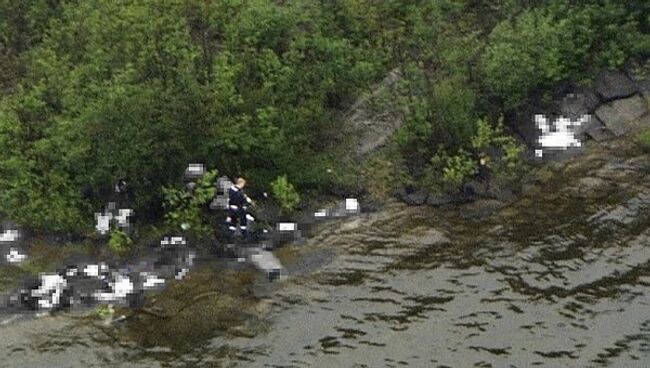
624,115
374,119
611,85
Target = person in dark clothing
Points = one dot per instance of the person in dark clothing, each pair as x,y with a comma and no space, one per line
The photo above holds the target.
483,171
237,205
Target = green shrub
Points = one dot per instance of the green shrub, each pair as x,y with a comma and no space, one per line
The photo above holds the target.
285,193
448,172
457,169
644,140
383,175
119,242
185,209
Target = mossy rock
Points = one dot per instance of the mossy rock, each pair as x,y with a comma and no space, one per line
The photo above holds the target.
207,303
643,139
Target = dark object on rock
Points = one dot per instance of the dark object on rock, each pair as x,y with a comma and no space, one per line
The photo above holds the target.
612,85
575,105
416,198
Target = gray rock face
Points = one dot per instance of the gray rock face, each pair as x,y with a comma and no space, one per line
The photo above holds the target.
621,116
612,85
373,125
597,131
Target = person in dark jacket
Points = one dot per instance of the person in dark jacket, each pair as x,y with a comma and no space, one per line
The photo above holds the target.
484,170
237,205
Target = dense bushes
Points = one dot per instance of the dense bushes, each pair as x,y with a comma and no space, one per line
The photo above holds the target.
96,91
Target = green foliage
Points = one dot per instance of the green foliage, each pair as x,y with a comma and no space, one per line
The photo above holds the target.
559,41
119,242
383,174
103,311
184,209
93,91
285,193
457,169
644,140
448,172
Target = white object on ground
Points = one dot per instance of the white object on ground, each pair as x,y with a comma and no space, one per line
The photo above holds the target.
15,257
286,226
92,270
9,236
152,280
121,287
321,213
562,138
49,292
103,222
181,274
351,204
123,217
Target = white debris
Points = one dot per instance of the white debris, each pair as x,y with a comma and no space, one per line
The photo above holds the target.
351,204
286,226
123,217
121,287
15,257
562,137
92,270
9,236
195,168
174,240
50,290
103,222
250,218
181,274
151,281
321,213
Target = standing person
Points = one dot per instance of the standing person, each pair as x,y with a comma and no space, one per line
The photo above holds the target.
484,170
237,202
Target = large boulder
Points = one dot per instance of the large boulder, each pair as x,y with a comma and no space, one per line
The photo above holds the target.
622,116
611,85
597,131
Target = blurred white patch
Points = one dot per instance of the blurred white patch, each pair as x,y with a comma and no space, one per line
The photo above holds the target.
103,222
250,218
92,270
151,281
560,135
286,226
15,257
351,204
49,292
181,274
123,217
9,236
321,213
